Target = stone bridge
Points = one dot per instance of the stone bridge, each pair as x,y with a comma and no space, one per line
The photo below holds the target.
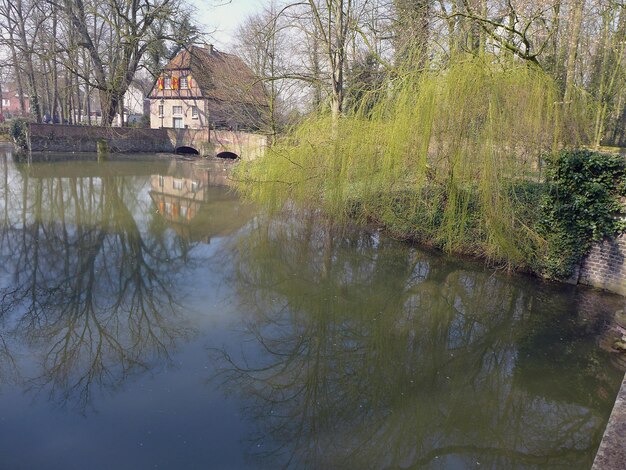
204,142
220,143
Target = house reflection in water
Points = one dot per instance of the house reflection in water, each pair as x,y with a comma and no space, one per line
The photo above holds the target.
196,200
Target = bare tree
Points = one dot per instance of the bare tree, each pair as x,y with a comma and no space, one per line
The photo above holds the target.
128,26
262,44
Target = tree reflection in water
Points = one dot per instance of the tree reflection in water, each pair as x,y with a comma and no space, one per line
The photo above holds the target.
84,284
370,354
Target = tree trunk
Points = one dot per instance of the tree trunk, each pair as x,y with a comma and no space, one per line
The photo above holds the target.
18,72
576,19
333,30
412,30
28,60
55,73
79,103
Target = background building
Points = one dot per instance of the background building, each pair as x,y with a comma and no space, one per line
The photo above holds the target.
202,87
10,101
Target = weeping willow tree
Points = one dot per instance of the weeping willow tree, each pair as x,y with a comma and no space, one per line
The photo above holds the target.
451,157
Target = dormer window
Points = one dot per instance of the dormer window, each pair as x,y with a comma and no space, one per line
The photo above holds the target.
168,83
184,85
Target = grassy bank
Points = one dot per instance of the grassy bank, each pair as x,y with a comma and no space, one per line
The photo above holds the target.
453,157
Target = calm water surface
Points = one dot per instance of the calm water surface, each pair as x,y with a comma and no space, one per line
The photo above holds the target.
149,319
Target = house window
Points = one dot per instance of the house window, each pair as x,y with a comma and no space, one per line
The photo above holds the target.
183,83
178,123
5,102
168,83
160,110
195,185
194,112
177,184
161,181
177,110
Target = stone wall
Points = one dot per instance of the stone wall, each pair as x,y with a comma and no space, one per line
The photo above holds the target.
605,266
612,452
50,138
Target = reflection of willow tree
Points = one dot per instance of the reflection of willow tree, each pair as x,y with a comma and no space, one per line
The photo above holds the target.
374,355
89,289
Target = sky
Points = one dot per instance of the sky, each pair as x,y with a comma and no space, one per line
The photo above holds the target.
221,17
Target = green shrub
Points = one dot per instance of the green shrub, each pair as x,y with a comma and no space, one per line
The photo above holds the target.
18,130
581,205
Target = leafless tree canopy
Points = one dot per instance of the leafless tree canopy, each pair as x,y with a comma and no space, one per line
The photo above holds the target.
64,51
337,49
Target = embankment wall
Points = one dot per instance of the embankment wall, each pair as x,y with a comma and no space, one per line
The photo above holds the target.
50,138
605,266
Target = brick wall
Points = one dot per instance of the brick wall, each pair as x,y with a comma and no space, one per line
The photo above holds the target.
49,138
605,266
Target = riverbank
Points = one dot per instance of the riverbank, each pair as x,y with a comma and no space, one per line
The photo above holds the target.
611,454
467,159
566,227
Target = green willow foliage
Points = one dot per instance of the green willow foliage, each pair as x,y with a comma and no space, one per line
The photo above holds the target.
447,157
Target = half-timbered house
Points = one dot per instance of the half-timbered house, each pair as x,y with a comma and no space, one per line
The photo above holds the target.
202,87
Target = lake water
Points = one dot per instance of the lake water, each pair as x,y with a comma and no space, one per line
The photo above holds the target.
149,319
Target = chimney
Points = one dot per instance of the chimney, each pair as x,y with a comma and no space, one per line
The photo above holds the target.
208,47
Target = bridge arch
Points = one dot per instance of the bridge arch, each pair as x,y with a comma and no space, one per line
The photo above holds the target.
227,155
186,150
